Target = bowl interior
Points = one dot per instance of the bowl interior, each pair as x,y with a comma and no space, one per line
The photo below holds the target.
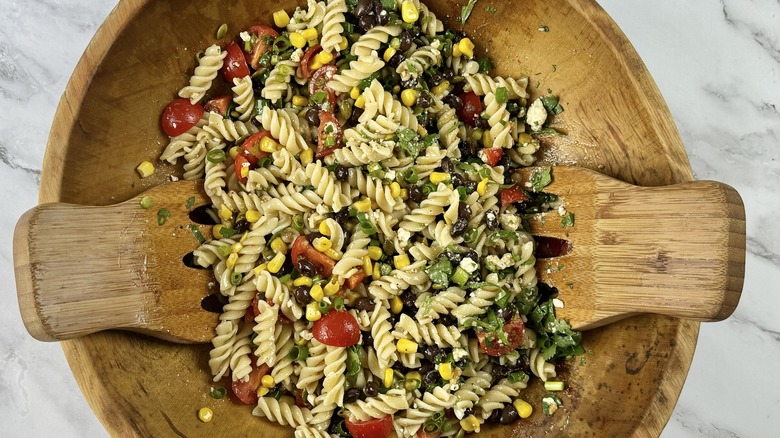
617,123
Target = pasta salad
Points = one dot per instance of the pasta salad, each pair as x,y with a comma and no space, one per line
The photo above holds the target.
369,246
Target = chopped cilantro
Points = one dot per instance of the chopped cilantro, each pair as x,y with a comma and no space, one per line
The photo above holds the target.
541,178
490,9
567,220
465,12
190,202
440,271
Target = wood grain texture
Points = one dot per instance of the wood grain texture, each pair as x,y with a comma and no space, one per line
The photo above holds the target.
617,123
677,250
82,269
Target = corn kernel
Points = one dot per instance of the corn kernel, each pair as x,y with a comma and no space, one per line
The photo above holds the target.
281,19
409,96
456,53
278,245
205,414
317,293
470,424
332,253
275,265
409,11
354,93
307,156
445,370
310,34
377,274
262,391
367,265
145,169
236,247
324,229
396,305
324,57
234,152
302,281
363,206
300,101
466,47
315,65
404,194
406,346
487,139
389,376
332,287
482,187
375,253
268,381
243,236
244,171
360,102
217,231
401,261
441,88
301,341
260,268
253,216
231,260
313,312
297,40
268,144
389,53
523,408
439,177
344,43
322,244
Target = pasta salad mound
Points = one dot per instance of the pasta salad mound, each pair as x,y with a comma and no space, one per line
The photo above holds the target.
369,247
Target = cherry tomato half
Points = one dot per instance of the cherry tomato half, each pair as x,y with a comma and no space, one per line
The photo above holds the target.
319,82
356,278
265,37
234,65
246,391
514,331
491,156
512,195
302,249
179,116
471,109
310,53
219,105
329,134
250,155
374,428
337,328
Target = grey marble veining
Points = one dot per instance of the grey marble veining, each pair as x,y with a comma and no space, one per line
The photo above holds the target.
717,64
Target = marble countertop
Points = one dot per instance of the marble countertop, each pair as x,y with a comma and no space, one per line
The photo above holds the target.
717,64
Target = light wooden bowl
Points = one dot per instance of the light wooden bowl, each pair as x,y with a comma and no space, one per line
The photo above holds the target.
108,121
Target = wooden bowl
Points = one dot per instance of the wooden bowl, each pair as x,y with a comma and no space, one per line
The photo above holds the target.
108,121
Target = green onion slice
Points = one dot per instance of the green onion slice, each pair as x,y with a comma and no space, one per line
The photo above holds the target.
411,176
147,202
551,385
298,352
162,216
218,392
235,278
196,232
297,222
215,156
502,95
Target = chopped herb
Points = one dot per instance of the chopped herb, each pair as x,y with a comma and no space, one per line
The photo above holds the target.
196,232
485,65
551,104
218,392
541,178
440,271
222,31
147,202
548,401
465,12
162,216
353,361
537,85
555,338
567,220
555,385
365,83
366,225
490,9
390,5
516,377
190,202
502,95
543,28
319,97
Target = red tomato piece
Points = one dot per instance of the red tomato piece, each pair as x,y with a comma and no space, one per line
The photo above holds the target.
329,128
337,328
179,116
265,37
322,263
251,146
310,53
512,195
219,105
494,347
282,319
252,311
356,278
234,65
246,391
491,156
374,428
471,109
319,82
243,162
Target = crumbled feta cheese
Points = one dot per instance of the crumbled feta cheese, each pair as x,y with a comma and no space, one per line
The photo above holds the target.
245,36
562,210
296,55
322,209
390,175
458,353
306,335
510,221
536,116
500,263
469,265
552,406
174,178
436,44
404,235
558,304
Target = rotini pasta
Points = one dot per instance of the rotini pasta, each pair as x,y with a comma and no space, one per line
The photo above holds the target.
206,71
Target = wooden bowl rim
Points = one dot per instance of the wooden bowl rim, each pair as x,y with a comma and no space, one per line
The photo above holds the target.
656,415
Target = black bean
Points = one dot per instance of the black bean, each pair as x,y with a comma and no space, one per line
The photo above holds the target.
242,226
434,353
467,412
513,107
523,363
459,227
368,339
371,389
506,313
416,194
306,267
447,319
301,294
446,165
406,40
504,161
382,18
431,378
471,186
472,255
397,59
509,414
408,299
363,303
313,116
436,79
341,173
352,395
495,416
500,371
377,6
447,73
461,363
468,149
453,101
464,211
367,22
454,257
481,123
491,219
354,119
425,100
456,179
363,7
409,83
425,366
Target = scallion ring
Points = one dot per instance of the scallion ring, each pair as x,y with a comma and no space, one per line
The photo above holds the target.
218,392
235,278
215,156
298,352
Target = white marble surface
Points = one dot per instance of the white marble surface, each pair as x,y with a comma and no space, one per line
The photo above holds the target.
717,64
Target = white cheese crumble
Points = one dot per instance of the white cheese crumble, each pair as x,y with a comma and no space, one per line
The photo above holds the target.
245,36
552,406
306,335
510,221
536,115
558,304
459,353
296,55
501,263
469,265
404,236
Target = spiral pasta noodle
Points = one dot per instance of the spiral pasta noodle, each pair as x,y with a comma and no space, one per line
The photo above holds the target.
332,25
206,71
